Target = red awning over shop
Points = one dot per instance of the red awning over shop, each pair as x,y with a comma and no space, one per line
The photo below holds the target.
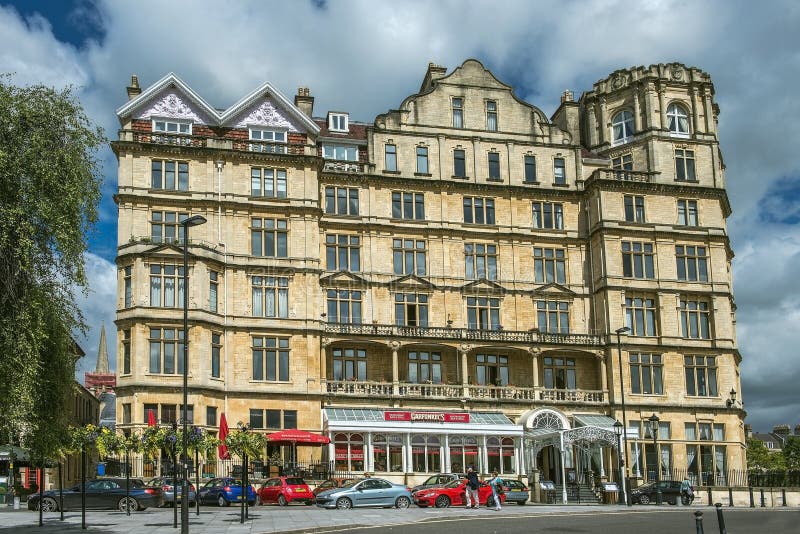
297,437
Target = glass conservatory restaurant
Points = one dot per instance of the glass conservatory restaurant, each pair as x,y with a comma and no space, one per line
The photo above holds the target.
402,441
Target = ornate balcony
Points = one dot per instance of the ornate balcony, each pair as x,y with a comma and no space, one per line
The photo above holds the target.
462,334
343,166
622,175
349,388
161,138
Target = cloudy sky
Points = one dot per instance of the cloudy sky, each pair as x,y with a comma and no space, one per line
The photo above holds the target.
366,56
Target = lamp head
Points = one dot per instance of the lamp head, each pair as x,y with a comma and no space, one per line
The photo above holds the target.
194,220
623,330
617,428
733,394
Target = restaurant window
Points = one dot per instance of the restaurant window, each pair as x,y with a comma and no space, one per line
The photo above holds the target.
289,418
273,419
491,370
388,452
349,451
425,454
463,453
501,455
559,373
349,364
424,367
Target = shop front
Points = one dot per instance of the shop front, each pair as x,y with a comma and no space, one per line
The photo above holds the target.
409,445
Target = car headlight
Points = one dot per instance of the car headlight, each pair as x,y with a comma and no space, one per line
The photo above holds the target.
426,494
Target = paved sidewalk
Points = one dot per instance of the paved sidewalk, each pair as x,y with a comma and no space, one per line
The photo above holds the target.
274,519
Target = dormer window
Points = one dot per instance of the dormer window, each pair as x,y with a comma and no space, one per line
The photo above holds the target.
269,140
338,122
172,127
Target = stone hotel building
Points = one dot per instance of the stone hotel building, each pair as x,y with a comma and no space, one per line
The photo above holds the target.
445,285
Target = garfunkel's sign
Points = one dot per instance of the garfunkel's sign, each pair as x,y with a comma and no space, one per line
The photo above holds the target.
426,417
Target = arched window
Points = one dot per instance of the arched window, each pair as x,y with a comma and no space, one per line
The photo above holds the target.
622,126
678,120
425,454
501,453
349,452
388,451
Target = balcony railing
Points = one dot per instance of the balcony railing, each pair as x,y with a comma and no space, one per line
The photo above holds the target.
343,166
161,138
350,388
263,147
444,333
622,175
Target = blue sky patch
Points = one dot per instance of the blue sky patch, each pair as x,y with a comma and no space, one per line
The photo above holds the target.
781,203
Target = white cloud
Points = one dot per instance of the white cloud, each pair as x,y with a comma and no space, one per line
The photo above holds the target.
98,307
365,57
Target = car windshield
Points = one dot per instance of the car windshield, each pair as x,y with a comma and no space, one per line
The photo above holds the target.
431,480
453,484
295,481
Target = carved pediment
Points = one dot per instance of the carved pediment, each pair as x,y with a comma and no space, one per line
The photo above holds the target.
343,279
266,113
553,289
166,250
412,282
483,287
171,104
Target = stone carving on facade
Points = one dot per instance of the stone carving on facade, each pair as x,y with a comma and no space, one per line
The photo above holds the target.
395,345
465,348
265,114
171,106
534,351
325,341
676,71
619,81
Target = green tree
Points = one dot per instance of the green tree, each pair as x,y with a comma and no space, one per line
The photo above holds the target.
791,452
49,191
760,457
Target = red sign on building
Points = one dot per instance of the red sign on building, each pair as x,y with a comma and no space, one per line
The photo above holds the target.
426,417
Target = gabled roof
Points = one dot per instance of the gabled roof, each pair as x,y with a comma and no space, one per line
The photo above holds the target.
411,280
342,277
483,285
553,288
217,118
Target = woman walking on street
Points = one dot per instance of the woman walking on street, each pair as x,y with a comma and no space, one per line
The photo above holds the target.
497,489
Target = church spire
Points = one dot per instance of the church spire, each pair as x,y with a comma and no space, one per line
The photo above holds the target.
102,353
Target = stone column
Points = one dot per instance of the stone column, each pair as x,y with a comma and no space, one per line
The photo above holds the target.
476,147
464,351
708,110
484,453
446,454
590,112
695,110
603,130
662,104
637,109
535,352
442,173
369,459
601,358
395,346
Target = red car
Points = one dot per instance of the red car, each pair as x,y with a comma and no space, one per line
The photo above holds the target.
454,494
285,490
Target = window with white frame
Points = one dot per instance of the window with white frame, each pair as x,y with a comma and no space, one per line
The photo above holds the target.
640,315
271,141
647,372
687,212
678,120
549,265
266,182
411,309
340,152
270,296
552,316
169,175
622,126
478,210
172,127
166,286
338,122
491,115
548,215
271,359
344,306
695,319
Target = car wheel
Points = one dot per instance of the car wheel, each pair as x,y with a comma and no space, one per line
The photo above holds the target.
403,502
343,503
48,505
282,500
128,503
521,503
644,499
309,503
673,502
442,501
222,502
490,501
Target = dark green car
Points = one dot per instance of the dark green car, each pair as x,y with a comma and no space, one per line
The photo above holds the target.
101,494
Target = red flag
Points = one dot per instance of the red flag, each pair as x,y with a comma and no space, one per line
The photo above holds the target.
151,418
223,433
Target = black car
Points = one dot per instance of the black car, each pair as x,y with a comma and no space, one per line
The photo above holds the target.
101,494
670,493
437,481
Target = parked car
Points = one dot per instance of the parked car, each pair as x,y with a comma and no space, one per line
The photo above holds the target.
516,492
224,491
101,494
439,480
670,492
454,494
165,483
366,492
285,490
332,483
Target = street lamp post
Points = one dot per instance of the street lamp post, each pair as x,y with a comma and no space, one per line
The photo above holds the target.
245,494
626,479
618,432
654,429
195,220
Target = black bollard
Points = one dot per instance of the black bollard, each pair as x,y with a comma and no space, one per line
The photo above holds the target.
783,495
752,501
698,520
763,501
720,519
730,496
710,498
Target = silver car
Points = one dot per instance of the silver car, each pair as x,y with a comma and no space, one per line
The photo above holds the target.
168,492
366,492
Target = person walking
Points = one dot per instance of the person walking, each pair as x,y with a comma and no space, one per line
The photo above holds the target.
472,489
496,484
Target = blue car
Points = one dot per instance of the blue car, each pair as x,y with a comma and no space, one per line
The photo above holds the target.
366,492
224,491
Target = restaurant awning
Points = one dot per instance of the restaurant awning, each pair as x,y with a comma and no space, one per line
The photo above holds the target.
297,437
